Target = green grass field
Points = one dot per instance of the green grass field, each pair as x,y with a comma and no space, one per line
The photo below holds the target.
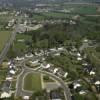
5,18
4,36
32,82
86,10
21,45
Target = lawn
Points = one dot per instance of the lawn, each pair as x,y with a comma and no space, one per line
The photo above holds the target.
21,45
32,82
4,36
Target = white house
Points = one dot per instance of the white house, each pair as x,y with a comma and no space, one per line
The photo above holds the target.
19,58
82,92
78,54
79,58
85,40
5,95
34,62
26,97
97,83
76,85
9,63
61,49
92,73
53,49
45,66
12,66
57,54
55,70
9,78
29,55
84,64
12,72
65,75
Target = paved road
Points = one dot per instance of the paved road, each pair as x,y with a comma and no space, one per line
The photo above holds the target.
7,46
19,85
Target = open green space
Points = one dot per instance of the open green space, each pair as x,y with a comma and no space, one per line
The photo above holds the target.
47,79
73,10
21,46
32,82
82,9
50,15
4,36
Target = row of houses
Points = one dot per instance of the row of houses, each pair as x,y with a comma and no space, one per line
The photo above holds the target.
6,87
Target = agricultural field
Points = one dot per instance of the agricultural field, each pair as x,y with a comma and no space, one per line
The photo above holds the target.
4,36
32,82
82,9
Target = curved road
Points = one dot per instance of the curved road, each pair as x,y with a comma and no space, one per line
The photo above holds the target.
19,85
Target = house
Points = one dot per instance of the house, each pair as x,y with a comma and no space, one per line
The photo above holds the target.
21,40
39,54
88,69
43,59
26,97
78,54
29,55
92,72
12,66
76,85
60,49
34,62
9,63
12,72
61,73
9,78
55,70
82,92
57,54
85,64
97,84
85,40
65,75
79,58
45,66
53,49
55,95
19,58
5,95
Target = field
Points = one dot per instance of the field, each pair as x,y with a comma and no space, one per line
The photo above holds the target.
21,45
86,10
32,82
82,9
4,36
